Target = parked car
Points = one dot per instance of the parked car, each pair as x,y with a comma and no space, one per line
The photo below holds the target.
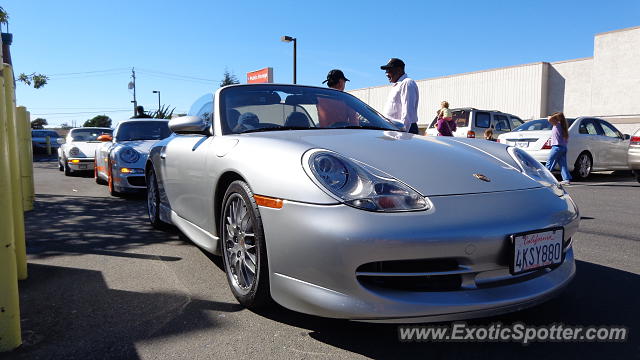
472,122
594,144
39,140
342,222
119,163
77,150
634,154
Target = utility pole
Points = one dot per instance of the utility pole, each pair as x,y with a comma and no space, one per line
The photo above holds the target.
132,85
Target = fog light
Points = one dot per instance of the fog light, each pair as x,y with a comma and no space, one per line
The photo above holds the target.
74,161
125,170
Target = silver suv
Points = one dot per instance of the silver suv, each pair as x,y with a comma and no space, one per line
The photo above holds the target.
472,122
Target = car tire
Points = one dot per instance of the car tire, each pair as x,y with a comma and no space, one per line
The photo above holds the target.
243,247
153,201
636,174
67,169
110,184
583,166
96,176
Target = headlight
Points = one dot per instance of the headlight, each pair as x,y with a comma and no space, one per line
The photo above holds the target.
359,185
128,155
536,171
74,151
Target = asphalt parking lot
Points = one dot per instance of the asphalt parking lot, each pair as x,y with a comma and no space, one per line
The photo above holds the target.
103,284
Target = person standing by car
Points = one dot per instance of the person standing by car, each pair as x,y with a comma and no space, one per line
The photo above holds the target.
488,135
140,113
445,124
402,103
331,111
559,140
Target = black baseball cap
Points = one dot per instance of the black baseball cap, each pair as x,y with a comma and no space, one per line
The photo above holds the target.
335,75
393,63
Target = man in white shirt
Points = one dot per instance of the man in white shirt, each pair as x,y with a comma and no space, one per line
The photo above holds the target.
402,103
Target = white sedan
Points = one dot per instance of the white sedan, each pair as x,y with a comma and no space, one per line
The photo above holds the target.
78,148
594,144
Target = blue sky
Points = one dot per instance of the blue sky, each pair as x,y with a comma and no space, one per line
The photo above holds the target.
88,48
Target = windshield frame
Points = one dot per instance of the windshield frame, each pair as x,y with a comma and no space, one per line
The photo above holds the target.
221,95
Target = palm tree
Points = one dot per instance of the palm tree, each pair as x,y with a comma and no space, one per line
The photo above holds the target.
4,18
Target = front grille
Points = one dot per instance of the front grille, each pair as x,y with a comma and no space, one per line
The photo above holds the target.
137,180
412,275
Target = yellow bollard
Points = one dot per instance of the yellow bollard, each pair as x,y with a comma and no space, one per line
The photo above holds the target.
26,160
14,163
9,301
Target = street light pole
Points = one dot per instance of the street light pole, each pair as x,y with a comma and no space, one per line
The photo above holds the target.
295,42
157,92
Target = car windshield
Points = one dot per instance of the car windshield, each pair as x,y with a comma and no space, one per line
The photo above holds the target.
44,133
88,134
143,130
540,124
256,108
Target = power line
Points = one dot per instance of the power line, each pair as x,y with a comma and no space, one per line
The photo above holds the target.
90,72
81,112
175,75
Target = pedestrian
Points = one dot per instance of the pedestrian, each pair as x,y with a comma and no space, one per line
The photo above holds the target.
488,135
446,125
334,112
402,103
559,141
140,113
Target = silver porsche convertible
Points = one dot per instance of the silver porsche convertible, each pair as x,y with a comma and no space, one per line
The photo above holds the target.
316,202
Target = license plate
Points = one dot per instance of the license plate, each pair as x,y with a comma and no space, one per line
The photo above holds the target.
522,144
536,249
82,166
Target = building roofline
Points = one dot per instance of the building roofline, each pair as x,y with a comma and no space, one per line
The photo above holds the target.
461,74
619,30
572,60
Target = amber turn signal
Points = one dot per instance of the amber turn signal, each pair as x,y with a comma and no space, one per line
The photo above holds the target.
268,201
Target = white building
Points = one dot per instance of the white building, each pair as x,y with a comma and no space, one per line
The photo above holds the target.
606,85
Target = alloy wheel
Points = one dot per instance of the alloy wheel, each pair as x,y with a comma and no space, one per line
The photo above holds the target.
239,244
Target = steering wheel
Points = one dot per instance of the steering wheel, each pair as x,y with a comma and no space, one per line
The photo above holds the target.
339,124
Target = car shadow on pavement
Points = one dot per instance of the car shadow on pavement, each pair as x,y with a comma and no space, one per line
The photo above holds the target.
80,225
70,313
598,296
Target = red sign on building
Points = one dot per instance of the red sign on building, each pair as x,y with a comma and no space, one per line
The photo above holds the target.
260,76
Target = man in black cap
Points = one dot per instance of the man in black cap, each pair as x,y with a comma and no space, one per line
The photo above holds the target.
402,103
336,80
140,113
334,112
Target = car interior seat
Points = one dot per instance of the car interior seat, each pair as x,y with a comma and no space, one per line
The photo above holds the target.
297,119
247,121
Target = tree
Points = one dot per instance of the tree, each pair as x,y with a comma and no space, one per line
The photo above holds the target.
38,80
4,18
39,123
163,113
98,121
229,79
65,126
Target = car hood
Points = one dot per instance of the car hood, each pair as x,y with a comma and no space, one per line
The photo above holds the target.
141,146
432,165
86,148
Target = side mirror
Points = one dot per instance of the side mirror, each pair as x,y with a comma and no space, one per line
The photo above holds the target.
189,125
627,136
61,140
105,137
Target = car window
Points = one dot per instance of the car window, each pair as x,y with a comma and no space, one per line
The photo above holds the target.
461,117
44,133
588,126
516,121
284,107
483,119
609,130
88,134
143,130
501,123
